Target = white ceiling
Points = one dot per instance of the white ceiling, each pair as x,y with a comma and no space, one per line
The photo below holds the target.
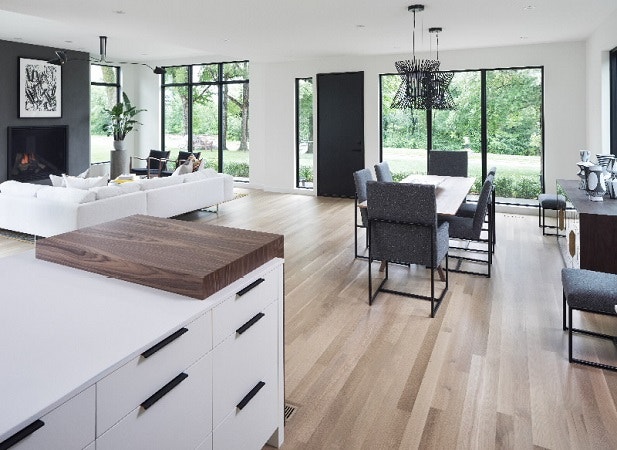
278,30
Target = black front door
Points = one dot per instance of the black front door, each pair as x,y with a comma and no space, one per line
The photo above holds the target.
340,132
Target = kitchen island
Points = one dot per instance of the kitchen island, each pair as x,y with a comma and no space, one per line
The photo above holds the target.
92,360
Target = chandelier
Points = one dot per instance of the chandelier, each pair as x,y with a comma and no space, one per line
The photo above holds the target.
422,86
61,58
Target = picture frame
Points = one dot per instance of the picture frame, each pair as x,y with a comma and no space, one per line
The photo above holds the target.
40,89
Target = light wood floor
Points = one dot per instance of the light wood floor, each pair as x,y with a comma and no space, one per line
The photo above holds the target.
490,371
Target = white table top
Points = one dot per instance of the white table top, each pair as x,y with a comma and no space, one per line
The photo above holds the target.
62,329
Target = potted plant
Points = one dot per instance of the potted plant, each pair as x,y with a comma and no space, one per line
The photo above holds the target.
120,121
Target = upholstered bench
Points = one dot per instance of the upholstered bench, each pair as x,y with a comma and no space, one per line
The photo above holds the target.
588,291
555,202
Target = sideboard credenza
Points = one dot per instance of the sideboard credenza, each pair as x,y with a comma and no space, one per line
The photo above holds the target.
90,361
591,230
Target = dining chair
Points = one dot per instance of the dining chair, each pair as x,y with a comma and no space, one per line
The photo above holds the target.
468,209
361,177
470,229
156,162
448,163
405,235
382,172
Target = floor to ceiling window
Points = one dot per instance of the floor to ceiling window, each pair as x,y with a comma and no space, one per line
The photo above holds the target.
104,94
206,111
509,102
304,133
613,100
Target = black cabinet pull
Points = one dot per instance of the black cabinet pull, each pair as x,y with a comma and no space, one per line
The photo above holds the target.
254,284
248,397
250,323
168,340
21,434
164,390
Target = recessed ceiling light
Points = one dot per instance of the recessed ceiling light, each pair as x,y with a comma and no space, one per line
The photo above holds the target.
119,11
68,42
522,38
529,8
360,26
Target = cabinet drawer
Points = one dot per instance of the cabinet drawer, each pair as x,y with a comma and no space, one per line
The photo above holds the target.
181,418
69,426
236,310
250,427
120,391
244,359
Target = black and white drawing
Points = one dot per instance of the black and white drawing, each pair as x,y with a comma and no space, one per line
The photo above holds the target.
40,89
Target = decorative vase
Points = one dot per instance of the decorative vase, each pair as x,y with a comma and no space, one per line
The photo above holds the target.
119,163
118,145
595,184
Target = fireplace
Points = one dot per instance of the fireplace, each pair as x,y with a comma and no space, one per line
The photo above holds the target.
36,152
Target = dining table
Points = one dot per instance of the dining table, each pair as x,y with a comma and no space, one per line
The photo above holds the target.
450,192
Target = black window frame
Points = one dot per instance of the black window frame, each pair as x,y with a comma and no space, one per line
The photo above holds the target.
613,100
220,82
117,85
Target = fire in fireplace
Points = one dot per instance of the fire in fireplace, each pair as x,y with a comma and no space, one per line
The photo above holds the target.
36,152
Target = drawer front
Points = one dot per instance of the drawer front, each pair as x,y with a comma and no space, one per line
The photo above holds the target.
69,426
120,391
181,418
239,308
251,427
243,360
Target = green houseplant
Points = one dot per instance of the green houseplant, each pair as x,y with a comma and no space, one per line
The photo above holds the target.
121,120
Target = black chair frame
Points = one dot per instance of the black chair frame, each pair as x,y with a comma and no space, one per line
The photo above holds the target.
435,302
542,221
489,253
572,330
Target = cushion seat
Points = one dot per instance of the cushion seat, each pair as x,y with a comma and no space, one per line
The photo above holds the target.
552,201
590,290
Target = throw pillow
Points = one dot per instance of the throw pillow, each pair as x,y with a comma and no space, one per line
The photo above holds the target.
186,167
84,183
102,192
198,164
57,180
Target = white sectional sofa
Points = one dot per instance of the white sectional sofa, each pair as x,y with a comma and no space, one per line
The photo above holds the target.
48,210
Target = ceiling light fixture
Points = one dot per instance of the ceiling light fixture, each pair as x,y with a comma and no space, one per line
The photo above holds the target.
61,58
422,85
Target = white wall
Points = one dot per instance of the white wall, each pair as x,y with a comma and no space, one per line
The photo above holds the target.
565,105
599,45
272,109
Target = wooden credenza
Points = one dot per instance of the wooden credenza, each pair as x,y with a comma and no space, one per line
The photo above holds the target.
96,362
591,238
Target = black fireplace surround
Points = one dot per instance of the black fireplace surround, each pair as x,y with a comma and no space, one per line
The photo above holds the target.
36,152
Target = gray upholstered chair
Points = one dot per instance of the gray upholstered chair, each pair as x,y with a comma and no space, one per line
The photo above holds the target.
470,229
382,172
156,163
468,209
588,291
402,234
447,163
361,177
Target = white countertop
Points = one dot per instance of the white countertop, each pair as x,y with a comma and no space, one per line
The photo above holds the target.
62,329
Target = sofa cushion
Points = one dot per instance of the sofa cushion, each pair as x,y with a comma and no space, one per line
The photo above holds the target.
128,188
84,183
154,183
102,192
66,195
13,187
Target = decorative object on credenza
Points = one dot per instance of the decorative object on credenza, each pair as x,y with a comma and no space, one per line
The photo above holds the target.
40,89
595,184
607,161
582,166
585,154
611,187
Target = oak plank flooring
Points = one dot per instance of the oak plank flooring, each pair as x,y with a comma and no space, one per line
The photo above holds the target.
490,371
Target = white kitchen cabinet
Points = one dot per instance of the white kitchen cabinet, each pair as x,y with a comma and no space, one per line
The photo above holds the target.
80,357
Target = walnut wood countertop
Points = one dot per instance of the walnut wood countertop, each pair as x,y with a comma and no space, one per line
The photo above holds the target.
187,258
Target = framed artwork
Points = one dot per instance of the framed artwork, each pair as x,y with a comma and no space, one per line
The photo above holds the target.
40,88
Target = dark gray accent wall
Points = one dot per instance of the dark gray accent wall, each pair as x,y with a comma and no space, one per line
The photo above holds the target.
75,101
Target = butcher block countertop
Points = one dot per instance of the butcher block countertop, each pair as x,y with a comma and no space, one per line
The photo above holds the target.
187,258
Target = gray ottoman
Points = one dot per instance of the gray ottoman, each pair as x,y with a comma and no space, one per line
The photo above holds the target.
554,202
588,291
